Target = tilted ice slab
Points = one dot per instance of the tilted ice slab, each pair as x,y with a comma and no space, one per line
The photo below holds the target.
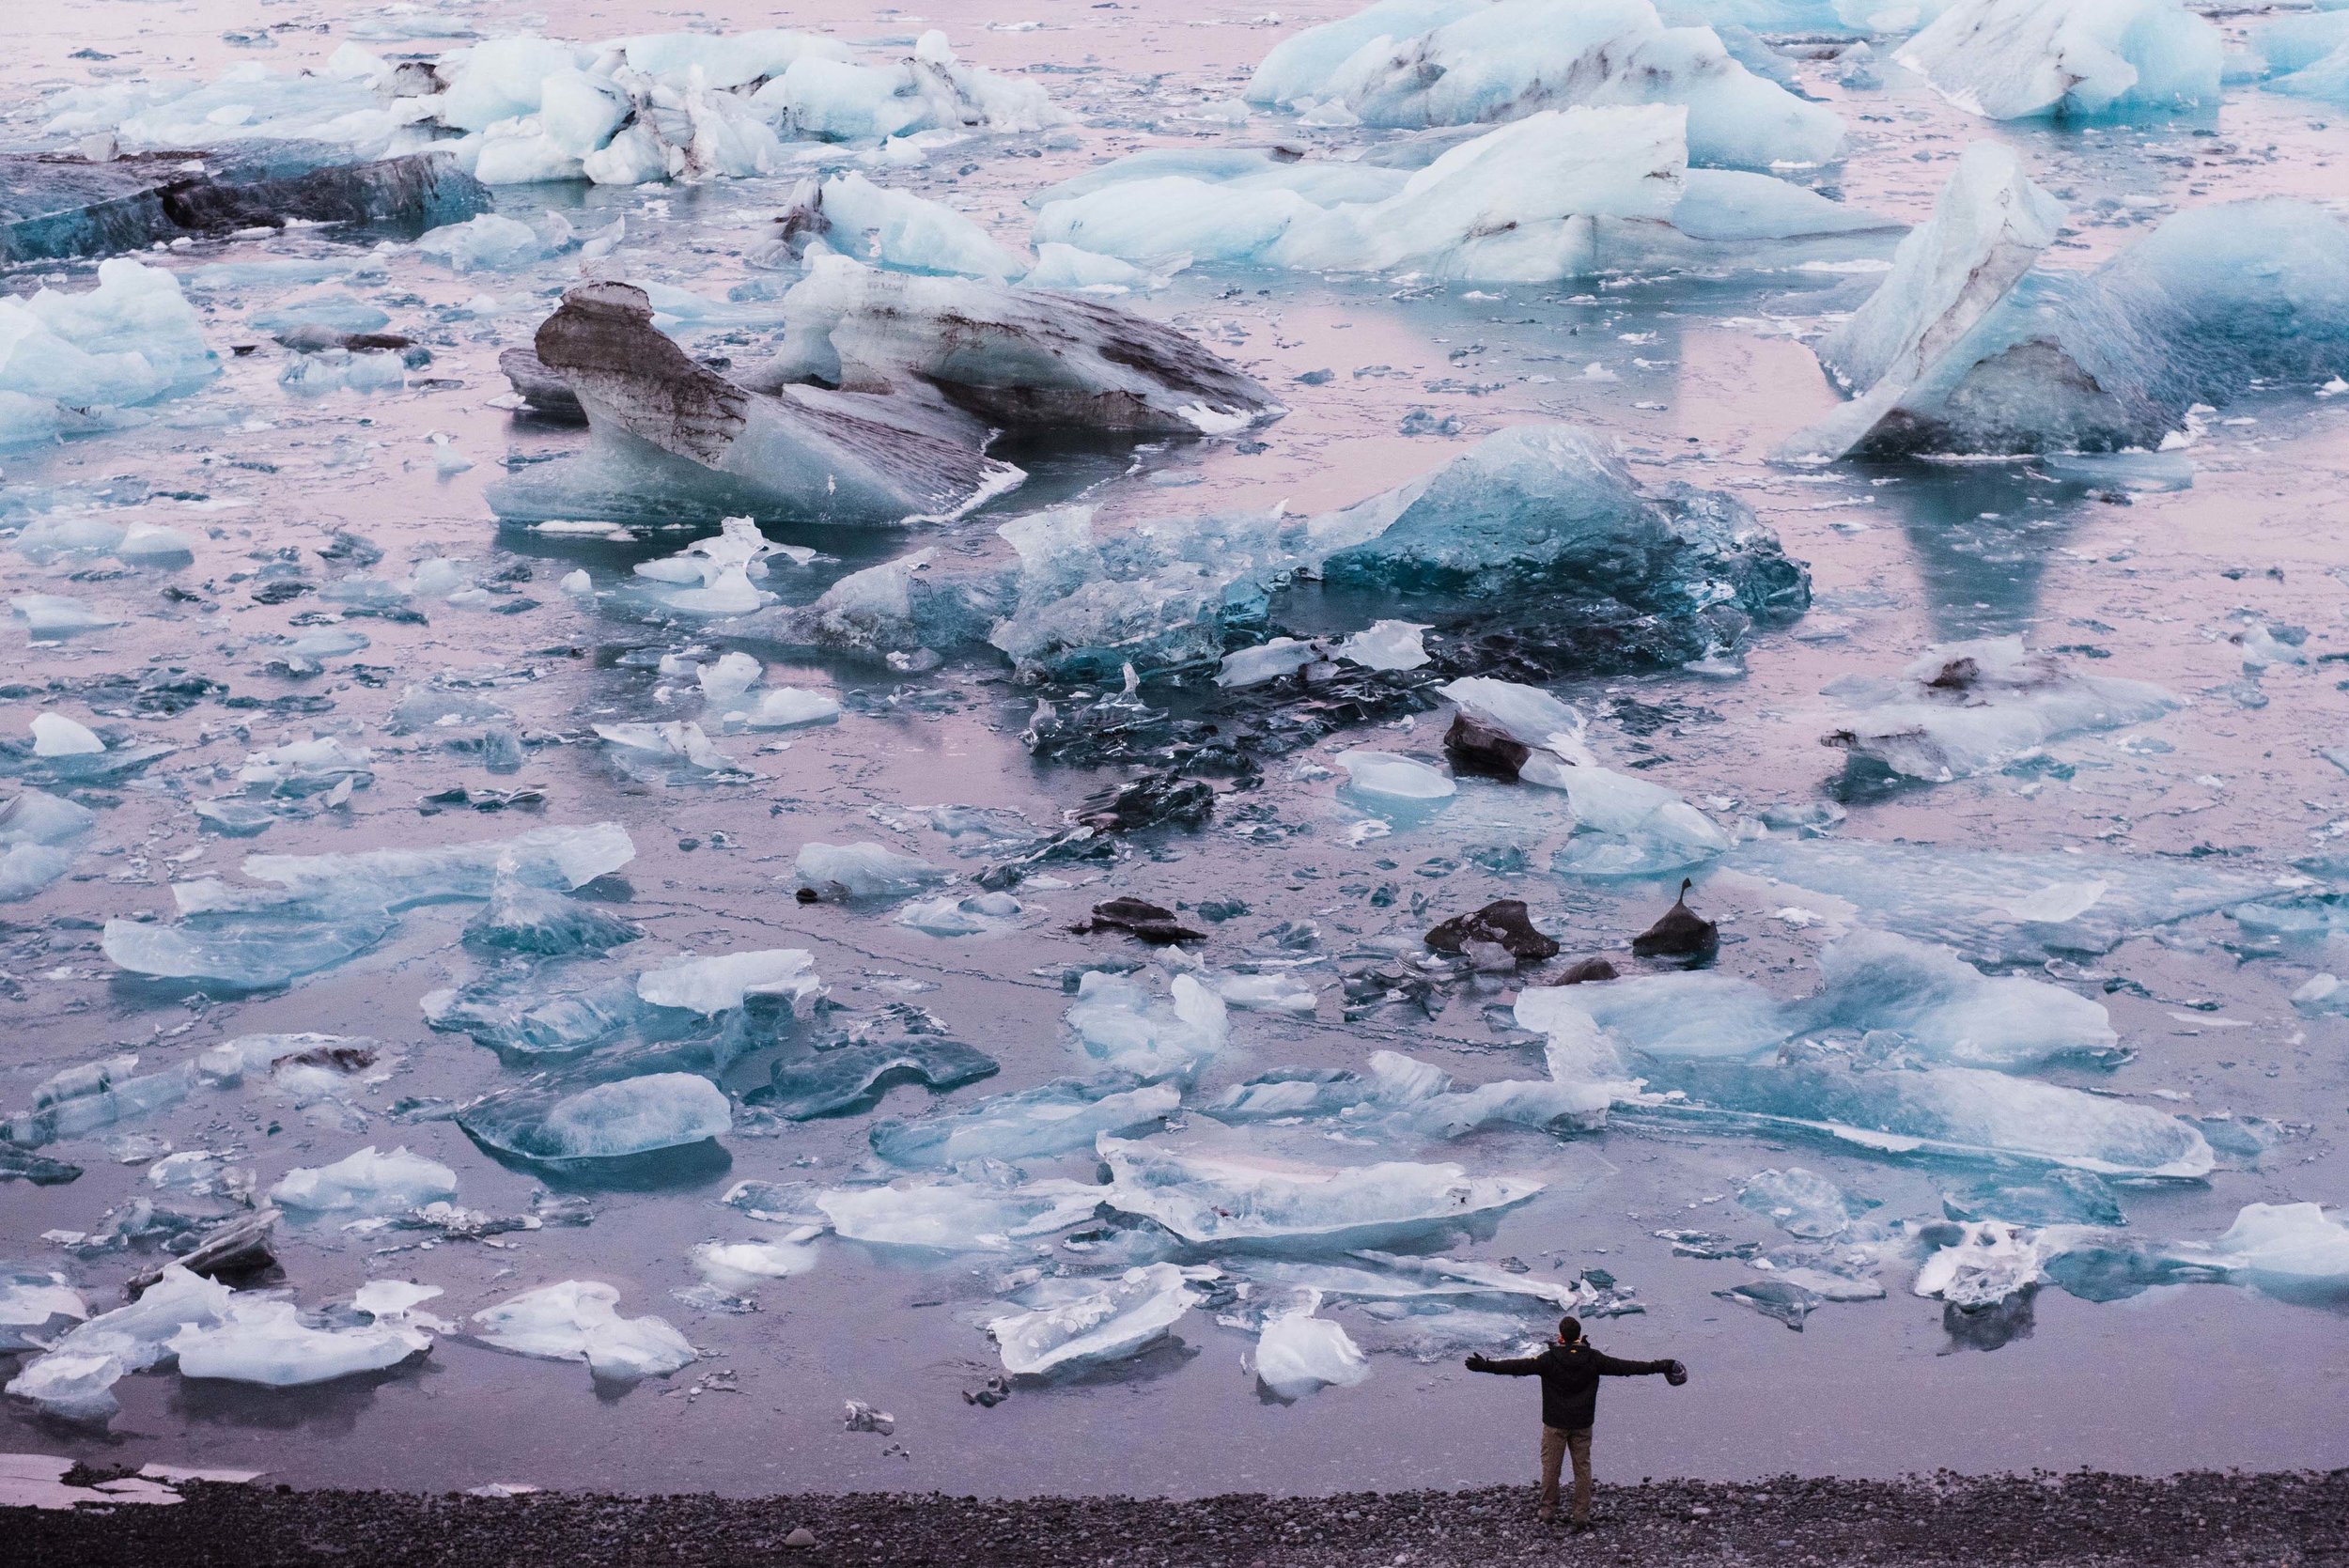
521,109
1947,1011
1998,907
1078,1323
1990,226
2072,59
579,1320
1562,194
887,390
1971,353
1407,63
1969,708
1547,508
70,363
320,910
1253,1202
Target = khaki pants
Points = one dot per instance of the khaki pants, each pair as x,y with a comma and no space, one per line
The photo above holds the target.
1557,1442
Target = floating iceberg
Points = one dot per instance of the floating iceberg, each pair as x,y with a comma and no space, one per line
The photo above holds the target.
1997,906
2293,1250
75,1378
1400,1094
36,1307
1120,1028
861,871
1298,1353
722,983
53,207
889,228
1253,1202
273,1344
580,1321
1030,1124
1563,193
889,389
1078,1323
613,1120
81,1099
854,1078
70,363
955,1214
1969,708
366,1182
2070,59
739,1266
1965,349
1535,509
1410,63
321,911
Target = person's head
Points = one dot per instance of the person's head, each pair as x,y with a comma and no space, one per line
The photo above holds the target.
1569,1331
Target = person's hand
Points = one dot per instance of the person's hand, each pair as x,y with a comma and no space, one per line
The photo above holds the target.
1476,1363
1676,1374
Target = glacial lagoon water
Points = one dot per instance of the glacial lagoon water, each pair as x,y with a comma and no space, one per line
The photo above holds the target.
354,654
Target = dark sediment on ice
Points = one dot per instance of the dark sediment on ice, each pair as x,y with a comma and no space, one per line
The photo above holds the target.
53,206
2085,1518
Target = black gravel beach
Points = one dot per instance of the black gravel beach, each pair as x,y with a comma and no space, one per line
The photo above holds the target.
2083,1518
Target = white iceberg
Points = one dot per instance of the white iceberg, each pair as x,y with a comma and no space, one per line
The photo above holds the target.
579,1320
1078,1323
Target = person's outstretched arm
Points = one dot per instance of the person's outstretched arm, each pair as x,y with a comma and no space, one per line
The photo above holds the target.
1520,1366
1613,1366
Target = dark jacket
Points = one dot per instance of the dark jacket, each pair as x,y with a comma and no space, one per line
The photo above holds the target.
1569,1375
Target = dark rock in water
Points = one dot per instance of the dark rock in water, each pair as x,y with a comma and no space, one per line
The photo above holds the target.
1485,752
1138,917
1503,924
53,206
22,1165
852,1078
1586,971
545,393
1679,933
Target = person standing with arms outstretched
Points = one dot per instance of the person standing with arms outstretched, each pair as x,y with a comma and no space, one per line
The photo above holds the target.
1570,1371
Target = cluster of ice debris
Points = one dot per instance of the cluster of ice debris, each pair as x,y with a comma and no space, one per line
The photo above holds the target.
521,109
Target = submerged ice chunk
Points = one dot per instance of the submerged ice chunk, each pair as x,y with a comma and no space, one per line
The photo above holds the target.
1251,1202
1076,1323
861,871
2071,59
958,1215
1800,1202
579,1320
1386,777
1410,63
1968,707
854,1078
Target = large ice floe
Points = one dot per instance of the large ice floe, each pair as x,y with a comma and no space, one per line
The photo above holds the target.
1969,347
316,912
1413,63
885,396
514,110
1562,194
79,362
1069,1324
579,1320
1969,708
2071,59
